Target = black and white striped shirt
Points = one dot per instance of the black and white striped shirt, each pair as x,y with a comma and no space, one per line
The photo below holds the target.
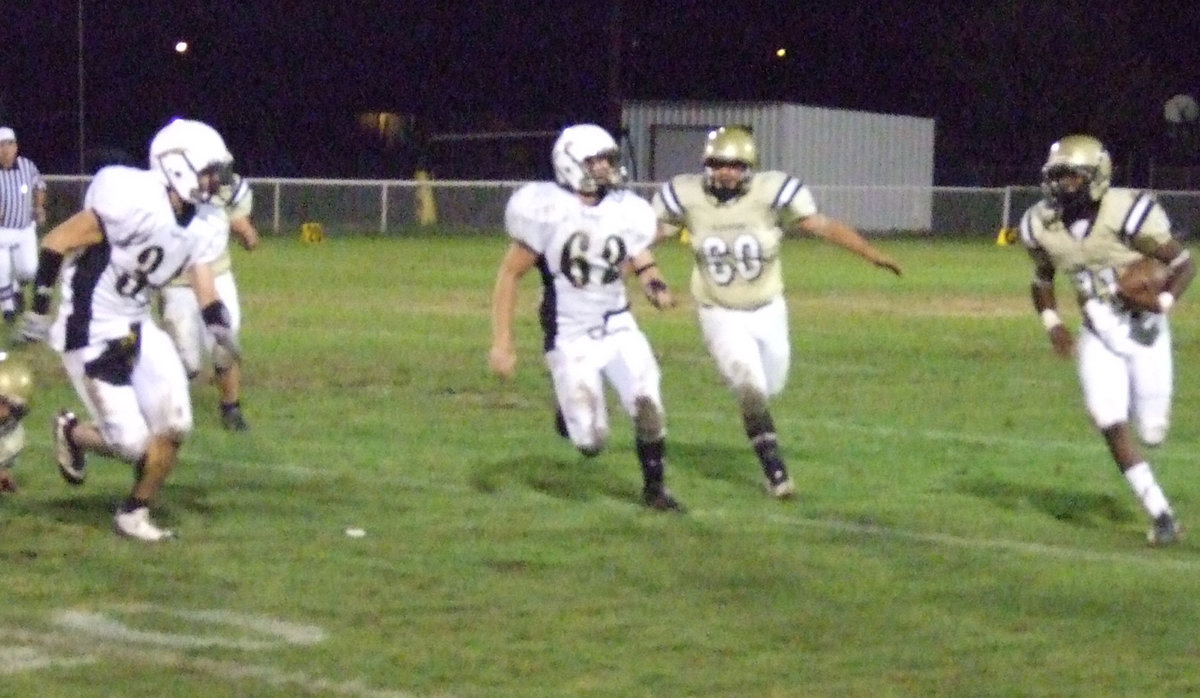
17,184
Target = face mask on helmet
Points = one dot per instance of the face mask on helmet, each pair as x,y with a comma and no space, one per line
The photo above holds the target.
730,156
190,157
586,160
1077,172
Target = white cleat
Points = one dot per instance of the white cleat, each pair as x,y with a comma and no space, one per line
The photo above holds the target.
784,489
137,524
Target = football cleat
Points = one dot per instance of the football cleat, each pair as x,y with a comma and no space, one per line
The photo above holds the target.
659,499
782,489
232,419
136,524
1165,530
70,458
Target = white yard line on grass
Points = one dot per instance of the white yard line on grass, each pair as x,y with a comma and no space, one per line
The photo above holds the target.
1060,552
43,650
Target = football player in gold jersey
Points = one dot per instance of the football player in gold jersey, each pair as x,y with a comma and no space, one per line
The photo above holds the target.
1090,232
737,218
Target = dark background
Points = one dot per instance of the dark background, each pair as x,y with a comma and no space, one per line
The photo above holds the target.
285,81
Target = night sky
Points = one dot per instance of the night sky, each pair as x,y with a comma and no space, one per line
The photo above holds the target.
284,80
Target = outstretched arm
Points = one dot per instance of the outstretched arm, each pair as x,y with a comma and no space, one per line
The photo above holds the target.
842,235
518,260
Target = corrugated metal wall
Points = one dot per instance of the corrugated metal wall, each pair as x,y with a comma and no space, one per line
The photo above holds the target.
826,148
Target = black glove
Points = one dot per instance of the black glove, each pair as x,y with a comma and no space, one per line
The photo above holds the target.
216,319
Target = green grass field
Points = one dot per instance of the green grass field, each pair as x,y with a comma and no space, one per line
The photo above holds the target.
960,530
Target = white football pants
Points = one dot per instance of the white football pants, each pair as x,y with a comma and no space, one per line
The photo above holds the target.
18,261
750,347
579,367
155,401
1134,387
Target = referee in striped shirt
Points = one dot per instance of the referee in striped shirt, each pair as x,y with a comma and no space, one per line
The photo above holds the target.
22,209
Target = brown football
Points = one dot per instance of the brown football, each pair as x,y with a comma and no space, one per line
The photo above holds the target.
1139,283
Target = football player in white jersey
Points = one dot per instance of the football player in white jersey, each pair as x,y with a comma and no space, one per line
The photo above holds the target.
16,389
583,233
737,218
181,311
1090,231
133,235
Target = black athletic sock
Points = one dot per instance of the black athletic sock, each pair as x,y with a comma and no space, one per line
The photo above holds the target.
132,503
760,429
651,454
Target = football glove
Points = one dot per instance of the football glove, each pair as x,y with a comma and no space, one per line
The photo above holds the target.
216,320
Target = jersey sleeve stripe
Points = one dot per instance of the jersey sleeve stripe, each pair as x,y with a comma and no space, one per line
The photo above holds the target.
791,186
1137,215
671,200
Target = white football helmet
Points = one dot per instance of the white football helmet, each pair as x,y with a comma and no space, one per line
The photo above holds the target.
1080,155
185,150
570,153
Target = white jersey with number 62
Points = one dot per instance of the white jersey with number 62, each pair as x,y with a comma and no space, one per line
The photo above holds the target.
582,250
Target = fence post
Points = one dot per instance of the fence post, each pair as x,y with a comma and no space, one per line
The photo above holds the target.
383,208
1006,209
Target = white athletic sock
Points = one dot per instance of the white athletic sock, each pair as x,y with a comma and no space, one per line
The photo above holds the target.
1141,479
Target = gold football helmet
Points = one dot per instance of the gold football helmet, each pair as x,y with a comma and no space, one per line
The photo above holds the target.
1076,156
729,145
16,386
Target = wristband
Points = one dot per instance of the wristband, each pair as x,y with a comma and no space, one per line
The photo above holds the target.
215,313
49,264
1165,301
1050,319
656,285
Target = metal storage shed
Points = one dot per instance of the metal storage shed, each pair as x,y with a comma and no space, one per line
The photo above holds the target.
872,170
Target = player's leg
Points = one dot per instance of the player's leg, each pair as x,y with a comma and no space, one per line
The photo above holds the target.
635,376
115,427
729,336
1153,378
1104,377
161,387
25,256
575,371
8,241
228,368
769,325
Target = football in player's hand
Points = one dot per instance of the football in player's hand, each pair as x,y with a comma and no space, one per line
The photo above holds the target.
1139,283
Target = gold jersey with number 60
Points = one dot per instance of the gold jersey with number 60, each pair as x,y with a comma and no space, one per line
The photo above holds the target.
1092,254
735,243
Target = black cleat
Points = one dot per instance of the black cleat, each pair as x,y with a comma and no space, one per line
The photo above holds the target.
660,499
232,419
1164,531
